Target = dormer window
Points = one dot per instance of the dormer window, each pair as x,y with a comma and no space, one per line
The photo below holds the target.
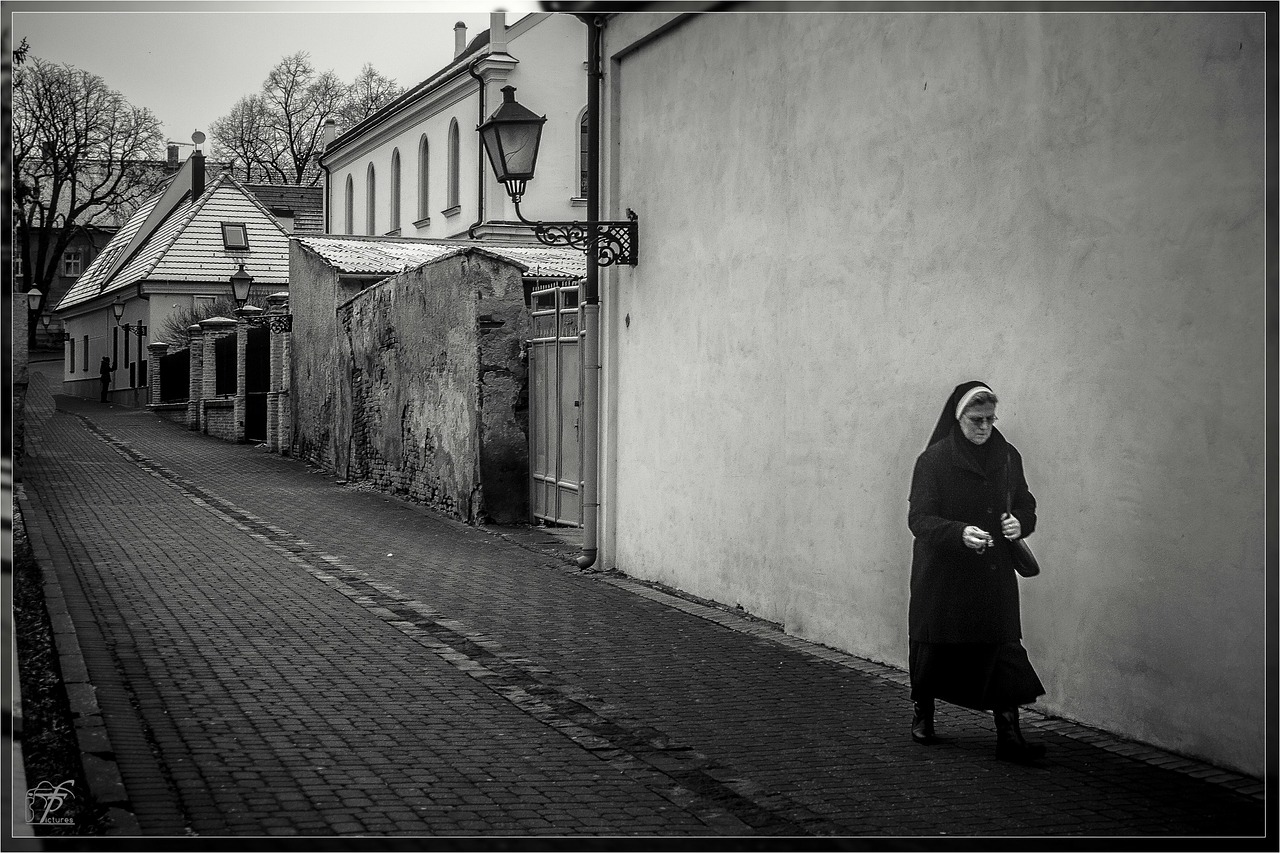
235,235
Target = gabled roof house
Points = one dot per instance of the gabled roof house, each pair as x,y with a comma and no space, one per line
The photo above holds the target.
180,248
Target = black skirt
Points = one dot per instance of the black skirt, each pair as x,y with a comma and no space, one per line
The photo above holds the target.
982,676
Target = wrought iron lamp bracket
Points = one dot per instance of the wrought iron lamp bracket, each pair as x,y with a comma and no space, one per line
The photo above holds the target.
278,323
613,241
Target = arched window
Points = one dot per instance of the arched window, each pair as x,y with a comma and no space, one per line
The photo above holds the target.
350,206
395,189
370,204
455,165
582,155
424,179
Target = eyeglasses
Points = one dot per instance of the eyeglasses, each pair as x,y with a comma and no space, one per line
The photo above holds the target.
979,421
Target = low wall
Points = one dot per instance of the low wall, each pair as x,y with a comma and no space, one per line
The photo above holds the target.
438,387
218,417
176,412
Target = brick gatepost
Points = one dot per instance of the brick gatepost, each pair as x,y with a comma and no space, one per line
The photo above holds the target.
195,391
155,352
215,328
278,426
242,345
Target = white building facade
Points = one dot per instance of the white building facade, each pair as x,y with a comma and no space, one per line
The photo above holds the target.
848,215
416,167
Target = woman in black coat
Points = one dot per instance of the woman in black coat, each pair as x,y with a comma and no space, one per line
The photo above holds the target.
104,375
969,501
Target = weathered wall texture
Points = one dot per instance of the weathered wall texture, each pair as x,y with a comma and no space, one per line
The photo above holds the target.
320,375
1071,207
425,394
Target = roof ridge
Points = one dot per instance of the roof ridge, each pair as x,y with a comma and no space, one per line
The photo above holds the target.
196,206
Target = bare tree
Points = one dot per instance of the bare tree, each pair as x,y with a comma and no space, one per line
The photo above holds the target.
367,94
243,137
274,136
80,151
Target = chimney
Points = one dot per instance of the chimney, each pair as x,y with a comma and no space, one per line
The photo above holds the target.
197,174
328,133
173,157
497,32
459,39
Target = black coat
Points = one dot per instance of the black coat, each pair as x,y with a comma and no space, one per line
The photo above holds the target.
957,594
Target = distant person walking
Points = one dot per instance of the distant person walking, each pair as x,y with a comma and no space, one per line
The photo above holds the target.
104,373
964,626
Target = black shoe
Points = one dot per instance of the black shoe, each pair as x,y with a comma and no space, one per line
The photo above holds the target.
1010,744
922,722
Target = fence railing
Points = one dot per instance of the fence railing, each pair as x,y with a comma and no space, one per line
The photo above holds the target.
175,376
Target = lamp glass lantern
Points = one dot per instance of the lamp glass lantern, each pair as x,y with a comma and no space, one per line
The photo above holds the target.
241,281
511,137
33,299
117,308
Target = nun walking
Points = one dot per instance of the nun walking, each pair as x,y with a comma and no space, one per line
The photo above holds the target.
969,501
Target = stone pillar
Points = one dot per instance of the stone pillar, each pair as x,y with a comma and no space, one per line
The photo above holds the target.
277,305
195,390
242,344
215,328
155,352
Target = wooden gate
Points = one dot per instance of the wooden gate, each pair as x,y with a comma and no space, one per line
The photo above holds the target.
257,382
555,383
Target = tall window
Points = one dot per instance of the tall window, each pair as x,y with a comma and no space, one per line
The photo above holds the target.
86,352
455,166
71,262
350,206
395,189
71,356
424,179
370,204
582,156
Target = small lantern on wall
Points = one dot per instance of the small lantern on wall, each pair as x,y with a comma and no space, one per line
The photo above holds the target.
117,308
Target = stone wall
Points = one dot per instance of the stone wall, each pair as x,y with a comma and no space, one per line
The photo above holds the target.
17,368
438,387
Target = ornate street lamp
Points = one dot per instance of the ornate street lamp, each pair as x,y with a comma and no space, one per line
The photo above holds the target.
241,281
33,300
60,335
511,137
117,308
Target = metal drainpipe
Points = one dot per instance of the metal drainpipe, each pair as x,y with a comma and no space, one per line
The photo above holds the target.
471,232
591,310
328,187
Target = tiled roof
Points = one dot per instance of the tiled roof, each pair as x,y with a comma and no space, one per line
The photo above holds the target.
390,255
89,284
307,204
187,245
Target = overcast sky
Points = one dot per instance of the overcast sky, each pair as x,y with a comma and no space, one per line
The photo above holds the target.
189,61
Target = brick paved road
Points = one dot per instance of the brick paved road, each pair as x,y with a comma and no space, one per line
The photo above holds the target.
274,653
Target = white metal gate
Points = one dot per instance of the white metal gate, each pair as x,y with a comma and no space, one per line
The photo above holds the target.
555,389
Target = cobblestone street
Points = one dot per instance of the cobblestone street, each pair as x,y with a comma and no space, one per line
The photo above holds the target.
265,651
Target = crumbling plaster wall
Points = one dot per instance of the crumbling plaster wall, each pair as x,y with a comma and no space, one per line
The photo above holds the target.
438,387
319,368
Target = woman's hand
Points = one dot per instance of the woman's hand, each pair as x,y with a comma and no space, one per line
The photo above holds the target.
1010,527
977,538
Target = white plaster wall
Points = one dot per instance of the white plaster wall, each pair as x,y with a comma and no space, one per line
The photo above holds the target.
549,80
849,214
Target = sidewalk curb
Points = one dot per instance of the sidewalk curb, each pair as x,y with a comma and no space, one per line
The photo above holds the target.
102,772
